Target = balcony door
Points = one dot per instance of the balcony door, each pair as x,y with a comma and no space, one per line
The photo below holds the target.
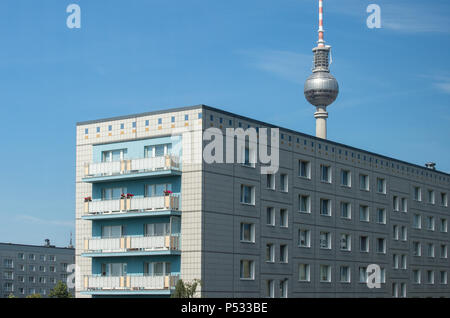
157,150
157,269
114,269
113,193
112,231
113,155
157,190
157,229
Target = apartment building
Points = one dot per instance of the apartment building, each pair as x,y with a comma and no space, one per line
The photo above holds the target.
33,269
150,210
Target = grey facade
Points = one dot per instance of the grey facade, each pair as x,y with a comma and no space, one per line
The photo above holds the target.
32,269
324,232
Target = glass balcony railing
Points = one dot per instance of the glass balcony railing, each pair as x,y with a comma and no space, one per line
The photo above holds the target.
130,282
132,166
133,204
132,244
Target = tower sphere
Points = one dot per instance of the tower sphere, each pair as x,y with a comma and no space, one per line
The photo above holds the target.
321,89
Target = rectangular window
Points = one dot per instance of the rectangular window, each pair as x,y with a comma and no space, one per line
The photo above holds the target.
8,263
364,182
157,190
346,178
304,238
395,261
270,253
430,277
270,288
283,218
248,232
247,194
284,182
325,207
381,216
417,249
113,155
364,244
147,123
305,169
364,213
122,126
159,121
157,269
172,119
381,245
404,232
325,273
157,229
416,276
247,269
114,269
270,181
346,210
270,216
345,274
199,115
284,288
325,240
21,256
363,274
431,198
444,200
430,250
304,272
133,124
417,221
444,226
404,261
404,204
443,275
325,173
395,203
443,251
249,159
395,232
283,253
346,242
381,185
305,203
430,223
417,194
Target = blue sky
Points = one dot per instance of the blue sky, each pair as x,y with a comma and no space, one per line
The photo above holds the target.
248,56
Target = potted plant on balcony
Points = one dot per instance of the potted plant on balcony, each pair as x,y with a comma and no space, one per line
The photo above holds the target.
87,199
129,195
167,192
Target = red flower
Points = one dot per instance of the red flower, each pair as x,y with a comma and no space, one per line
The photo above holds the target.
129,195
87,199
167,192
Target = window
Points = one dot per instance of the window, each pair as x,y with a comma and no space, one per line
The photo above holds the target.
172,119
52,258
112,193
444,201
381,216
444,226
404,261
32,279
270,253
325,273
86,131
364,244
21,279
157,269
404,232
159,121
364,182
147,123
122,126
381,245
417,249
133,124
249,159
283,218
443,275
283,253
199,115
304,238
31,268
21,256
305,203
9,287
52,269
304,272
430,249
395,203
417,221
247,194
248,232
325,207
430,223
157,150
247,269
325,240
284,288
431,198
402,290
114,269
417,194
416,276
404,205
395,232
157,190
443,251
270,181
42,280
383,275
157,229
109,231
270,288
325,173
42,269
395,261
364,213
346,178
346,210
284,182
42,258
270,216
363,274
32,257
430,277
344,274
8,263
346,242
305,169
381,185
8,275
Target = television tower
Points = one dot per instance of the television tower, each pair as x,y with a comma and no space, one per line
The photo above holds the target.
321,88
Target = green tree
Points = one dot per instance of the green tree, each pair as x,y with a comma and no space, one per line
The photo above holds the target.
34,296
60,291
186,290
11,296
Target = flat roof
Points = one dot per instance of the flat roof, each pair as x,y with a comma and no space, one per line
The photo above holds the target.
43,246
202,106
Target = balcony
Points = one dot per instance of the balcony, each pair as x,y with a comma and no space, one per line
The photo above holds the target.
129,284
131,169
132,246
128,207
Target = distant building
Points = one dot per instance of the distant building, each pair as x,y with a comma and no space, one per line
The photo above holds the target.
33,269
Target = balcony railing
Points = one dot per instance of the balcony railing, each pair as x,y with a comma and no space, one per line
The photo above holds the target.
142,165
142,282
132,244
134,204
